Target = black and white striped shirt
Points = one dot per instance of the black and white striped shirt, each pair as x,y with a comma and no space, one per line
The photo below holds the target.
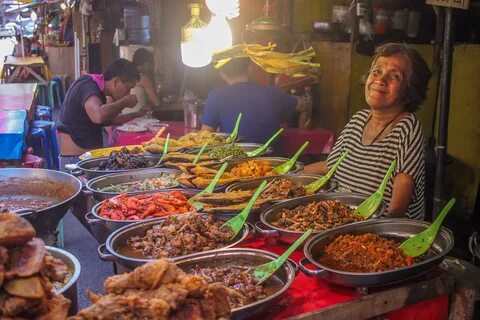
365,166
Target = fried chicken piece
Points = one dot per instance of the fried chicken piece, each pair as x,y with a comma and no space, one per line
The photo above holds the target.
14,230
125,307
30,288
147,277
3,255
58,309
27,260
14,306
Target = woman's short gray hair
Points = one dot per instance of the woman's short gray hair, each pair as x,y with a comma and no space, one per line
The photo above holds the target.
418,77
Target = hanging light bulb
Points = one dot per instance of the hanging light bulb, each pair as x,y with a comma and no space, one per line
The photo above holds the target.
226,8
195,50
219,34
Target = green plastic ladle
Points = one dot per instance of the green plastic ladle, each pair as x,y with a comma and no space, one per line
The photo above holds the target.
259,150
265,271
317,184
199,153
419,244
370,205
285,167
209,189
236,223
165,150
233,135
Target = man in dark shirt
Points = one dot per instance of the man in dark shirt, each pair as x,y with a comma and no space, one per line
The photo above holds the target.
86,109
263,109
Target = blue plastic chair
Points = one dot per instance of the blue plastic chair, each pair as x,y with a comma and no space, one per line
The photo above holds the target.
50,128
41,134
43,115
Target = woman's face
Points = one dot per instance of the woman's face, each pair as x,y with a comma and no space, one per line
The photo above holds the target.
386,82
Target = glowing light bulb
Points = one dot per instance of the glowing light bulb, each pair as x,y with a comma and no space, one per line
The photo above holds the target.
219,34
226,8
194,47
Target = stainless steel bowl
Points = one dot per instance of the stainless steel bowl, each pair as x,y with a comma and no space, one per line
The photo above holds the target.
397,229
283,277
124,177
109,250
69,290
102,227
89,167
268,230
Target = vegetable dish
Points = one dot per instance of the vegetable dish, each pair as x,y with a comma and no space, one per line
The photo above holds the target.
163,180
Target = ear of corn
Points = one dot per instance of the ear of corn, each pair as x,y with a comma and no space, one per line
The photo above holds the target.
293,64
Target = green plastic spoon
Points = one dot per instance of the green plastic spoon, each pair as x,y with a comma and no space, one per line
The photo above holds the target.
369,205
165,150
209,189
265,271
199,153
317,184
233,135
419,244
285,167
259,150
236,223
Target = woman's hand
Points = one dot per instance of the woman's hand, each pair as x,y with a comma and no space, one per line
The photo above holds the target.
402,193
317,168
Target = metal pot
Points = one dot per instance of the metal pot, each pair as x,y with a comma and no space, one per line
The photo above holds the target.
109,250
124,177
397,229
274,161
89,167
45,221
102,227
69,290
289,236
303,179
246,147
243,257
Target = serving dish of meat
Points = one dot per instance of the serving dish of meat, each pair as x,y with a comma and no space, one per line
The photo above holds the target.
123,159
231,267
173,237
158,290
27,274
366,254
181,235
289,219
316,215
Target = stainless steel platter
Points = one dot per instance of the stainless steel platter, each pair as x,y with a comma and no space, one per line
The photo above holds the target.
102,227
27,183
397,229
243,257
125,177
109,250
69,289
265,227
89,167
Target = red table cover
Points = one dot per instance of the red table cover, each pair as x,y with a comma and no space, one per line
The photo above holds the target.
308,294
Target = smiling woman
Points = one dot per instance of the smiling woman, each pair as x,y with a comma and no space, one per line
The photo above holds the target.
396,86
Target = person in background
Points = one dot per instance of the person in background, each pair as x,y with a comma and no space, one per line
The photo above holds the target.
263,109
85,109
388,130
27,45
144,89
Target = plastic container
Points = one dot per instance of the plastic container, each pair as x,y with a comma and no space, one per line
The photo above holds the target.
192,113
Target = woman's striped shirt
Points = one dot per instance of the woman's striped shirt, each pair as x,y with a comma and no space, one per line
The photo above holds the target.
364,168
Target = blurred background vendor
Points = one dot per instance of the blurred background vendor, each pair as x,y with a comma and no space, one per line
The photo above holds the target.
144,89
264,109
395,87
86,110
